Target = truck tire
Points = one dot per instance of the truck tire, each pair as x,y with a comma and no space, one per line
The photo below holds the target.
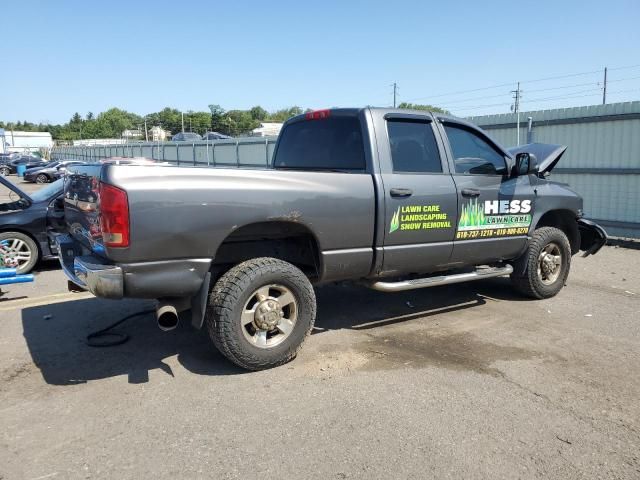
547,262
18,251
260,312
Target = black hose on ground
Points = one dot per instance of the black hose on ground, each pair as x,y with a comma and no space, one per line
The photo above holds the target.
118,338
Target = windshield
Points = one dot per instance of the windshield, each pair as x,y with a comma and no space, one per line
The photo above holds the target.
47,192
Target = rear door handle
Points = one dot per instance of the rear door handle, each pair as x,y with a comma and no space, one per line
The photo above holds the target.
470,192
401,192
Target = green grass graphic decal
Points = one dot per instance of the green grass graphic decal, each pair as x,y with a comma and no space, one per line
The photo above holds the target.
472,215
395,221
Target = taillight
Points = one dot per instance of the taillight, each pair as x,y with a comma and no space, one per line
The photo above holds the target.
317,114
114,216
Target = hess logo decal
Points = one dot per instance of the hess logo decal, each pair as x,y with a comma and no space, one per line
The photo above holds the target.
493,207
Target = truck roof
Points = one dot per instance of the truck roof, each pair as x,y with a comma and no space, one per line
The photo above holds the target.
385,110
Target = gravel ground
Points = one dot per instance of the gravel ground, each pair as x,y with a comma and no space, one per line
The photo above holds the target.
464,381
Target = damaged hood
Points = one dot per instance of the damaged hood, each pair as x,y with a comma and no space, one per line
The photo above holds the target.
547,154
15,189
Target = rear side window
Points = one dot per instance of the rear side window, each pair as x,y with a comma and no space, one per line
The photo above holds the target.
413,147
333,143
473,154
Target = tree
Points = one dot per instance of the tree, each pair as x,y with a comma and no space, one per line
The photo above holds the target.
258,113
416,106
217,118
284,114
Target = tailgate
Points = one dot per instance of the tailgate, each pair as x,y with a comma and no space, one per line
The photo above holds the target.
81,206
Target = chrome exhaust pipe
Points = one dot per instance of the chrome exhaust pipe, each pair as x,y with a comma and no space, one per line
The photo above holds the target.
167,317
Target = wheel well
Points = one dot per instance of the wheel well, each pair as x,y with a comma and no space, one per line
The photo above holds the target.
288,241
564,220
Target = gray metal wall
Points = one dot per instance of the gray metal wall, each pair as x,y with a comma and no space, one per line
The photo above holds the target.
602,162
250,152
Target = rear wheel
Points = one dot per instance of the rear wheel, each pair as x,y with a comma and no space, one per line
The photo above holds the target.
547,263
260,312
4,171
18,251
42,178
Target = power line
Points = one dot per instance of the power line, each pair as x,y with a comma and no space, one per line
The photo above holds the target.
539,100
501,95
536,80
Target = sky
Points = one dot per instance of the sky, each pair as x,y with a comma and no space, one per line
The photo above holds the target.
465,56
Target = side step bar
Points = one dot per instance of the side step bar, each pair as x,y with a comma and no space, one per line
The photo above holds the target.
478,274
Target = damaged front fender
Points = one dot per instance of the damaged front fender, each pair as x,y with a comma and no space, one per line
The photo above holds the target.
592,237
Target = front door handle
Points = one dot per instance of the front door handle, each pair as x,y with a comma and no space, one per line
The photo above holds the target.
401,192
470,192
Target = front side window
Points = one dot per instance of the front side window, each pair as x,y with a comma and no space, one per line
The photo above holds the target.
472,154
333,143
413,147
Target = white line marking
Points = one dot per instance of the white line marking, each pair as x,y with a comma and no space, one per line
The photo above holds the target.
8,305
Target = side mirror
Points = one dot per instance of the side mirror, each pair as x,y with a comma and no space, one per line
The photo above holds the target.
526,163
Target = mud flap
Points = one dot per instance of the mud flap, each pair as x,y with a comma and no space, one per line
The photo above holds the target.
592,237
199,303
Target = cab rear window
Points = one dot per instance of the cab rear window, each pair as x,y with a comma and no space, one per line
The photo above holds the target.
333,143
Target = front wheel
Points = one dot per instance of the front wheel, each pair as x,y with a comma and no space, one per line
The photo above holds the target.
5,171
18,251
260,312
42,178
547,263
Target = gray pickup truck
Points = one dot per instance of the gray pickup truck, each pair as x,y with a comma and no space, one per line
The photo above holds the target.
392,199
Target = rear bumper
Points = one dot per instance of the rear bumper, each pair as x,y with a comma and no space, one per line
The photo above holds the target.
592,237
88,272
157,279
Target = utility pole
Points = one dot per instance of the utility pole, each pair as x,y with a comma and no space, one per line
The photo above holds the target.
182,121
395,92
604,90
146,132
516,109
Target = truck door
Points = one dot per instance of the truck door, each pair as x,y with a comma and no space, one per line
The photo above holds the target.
494,210
420,201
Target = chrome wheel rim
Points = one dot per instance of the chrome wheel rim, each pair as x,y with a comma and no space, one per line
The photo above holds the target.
15,253
549,264
269,316
4,171
41,179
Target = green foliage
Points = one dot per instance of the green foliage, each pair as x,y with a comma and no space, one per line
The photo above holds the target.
111,123
284,114
416,106
258,113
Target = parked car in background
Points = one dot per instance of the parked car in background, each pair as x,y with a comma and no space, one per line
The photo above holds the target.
5,159
24,223
215,136
129,161
186,137
27,160
50,172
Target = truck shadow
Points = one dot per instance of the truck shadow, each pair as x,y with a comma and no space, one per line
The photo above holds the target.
56,334
354,307
56,337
